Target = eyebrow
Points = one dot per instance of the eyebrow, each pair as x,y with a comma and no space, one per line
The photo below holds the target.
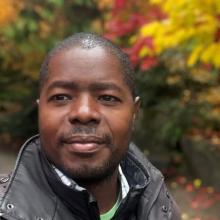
100,86
63,84
97,86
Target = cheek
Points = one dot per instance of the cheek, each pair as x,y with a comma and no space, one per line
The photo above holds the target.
45,119
48,128
50,119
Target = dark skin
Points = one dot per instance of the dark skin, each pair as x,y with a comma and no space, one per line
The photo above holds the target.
86,115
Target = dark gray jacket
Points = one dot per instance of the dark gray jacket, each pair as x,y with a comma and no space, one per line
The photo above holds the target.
34,192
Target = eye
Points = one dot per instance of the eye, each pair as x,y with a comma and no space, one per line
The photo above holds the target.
60,98
109,99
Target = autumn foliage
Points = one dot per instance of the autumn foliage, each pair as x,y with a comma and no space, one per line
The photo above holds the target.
155,26
192,26
127,18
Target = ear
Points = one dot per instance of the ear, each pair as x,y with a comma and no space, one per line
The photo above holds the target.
137,104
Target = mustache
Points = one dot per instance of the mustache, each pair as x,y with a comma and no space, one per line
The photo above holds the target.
89,133
83,130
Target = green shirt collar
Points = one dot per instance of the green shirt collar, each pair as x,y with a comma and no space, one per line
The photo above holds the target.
109,214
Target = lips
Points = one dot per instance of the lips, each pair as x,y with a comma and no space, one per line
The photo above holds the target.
83,144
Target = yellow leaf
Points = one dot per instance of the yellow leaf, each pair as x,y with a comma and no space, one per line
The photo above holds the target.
207,54
197,183
216,56
194,56
144,52
150,29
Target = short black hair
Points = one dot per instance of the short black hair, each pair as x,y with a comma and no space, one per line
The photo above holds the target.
89,41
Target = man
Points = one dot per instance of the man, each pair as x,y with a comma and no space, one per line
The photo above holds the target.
82,165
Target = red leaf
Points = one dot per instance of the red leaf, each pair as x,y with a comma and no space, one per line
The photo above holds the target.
119,4
148,63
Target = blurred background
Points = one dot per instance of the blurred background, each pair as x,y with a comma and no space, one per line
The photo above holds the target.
175,49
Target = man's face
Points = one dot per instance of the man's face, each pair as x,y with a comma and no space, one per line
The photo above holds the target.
86,113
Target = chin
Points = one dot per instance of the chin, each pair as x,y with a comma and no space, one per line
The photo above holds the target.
87,173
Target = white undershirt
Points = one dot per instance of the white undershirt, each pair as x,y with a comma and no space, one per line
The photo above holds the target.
71,183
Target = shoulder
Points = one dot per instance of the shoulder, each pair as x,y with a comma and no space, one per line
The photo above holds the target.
165,205
160,202
4,180
170,206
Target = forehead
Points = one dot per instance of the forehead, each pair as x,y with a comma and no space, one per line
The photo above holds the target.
85,64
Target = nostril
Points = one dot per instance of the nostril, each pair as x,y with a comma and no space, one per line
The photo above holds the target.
93,122
78,121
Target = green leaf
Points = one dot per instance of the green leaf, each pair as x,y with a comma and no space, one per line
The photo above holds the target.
20,24
32,25
9,31
47,15
58,3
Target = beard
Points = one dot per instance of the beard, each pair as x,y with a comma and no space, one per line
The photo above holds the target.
86,175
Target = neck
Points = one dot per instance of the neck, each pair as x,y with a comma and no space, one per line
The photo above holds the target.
105,192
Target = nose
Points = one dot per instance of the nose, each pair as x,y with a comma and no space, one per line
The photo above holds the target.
84,110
